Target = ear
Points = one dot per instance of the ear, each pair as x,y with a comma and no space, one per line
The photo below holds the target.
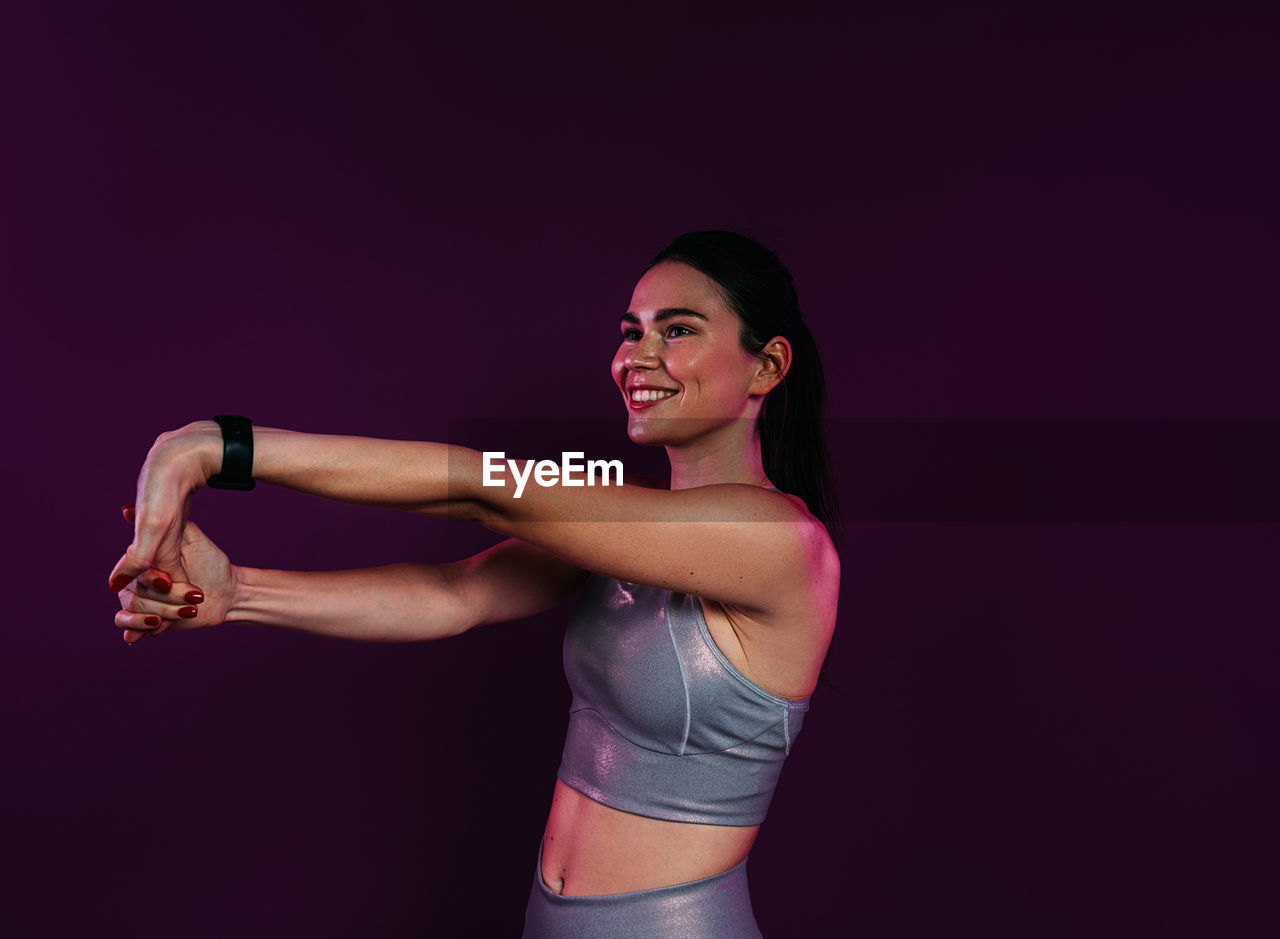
774,363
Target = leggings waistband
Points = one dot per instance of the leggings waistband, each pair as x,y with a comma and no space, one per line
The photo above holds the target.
716,906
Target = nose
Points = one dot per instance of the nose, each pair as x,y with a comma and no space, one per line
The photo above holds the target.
642,355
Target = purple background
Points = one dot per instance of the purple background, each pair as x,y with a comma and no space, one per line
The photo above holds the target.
377,219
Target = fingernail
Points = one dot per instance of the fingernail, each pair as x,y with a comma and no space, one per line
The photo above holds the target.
127,511
119,582
188,612
151,620
194,596
163,584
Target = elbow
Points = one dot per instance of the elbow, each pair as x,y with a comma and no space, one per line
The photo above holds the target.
449,627
490,515
459,510
450,609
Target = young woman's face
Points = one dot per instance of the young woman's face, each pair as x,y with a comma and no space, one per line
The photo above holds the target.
681,367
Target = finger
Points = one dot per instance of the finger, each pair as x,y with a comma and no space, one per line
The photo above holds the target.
151,578
181,615
127,568
140,603
159,580
167,611
156,581
156,585
117,580
173,601
157,542
161,573
137,621
128,593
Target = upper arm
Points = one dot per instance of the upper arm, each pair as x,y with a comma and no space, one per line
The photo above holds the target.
511,580
731,543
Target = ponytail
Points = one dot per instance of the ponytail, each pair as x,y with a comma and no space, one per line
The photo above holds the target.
793,441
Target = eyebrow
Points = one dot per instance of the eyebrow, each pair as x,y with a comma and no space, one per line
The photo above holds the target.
664,314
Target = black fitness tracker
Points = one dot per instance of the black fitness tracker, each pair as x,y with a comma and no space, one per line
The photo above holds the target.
237,454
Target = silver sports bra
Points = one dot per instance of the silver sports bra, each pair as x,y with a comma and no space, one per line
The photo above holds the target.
662,724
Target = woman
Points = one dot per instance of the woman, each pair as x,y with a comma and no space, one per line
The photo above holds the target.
706,609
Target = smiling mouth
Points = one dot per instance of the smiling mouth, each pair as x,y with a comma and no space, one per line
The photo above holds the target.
646,397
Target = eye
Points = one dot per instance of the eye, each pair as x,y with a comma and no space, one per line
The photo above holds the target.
631,335
675,326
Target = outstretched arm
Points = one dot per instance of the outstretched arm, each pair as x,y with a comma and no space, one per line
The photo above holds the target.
401,474
731,543
409,602
396,603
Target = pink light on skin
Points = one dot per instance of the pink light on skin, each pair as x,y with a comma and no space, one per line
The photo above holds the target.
680,336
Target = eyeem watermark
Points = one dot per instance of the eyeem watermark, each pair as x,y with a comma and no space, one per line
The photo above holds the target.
548,472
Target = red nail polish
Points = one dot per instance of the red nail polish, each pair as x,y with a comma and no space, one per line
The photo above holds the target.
194,596
119,582
188,612
163,584
152,620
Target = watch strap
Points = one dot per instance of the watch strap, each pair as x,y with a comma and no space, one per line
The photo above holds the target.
237,454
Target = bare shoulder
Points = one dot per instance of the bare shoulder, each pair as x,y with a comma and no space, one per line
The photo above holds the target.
805,573
803,558
812,535
781,647
806,587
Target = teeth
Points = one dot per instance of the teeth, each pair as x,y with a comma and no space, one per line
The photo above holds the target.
641,395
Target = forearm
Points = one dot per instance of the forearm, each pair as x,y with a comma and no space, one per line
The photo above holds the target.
433,478
398,603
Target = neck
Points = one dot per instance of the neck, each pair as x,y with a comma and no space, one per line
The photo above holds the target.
730,454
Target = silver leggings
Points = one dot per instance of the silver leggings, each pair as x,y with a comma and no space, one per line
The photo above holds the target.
717,907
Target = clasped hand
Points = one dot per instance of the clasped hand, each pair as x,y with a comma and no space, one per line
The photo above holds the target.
172,575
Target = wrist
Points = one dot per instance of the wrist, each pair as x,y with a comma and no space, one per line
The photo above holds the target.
237,454
241,603
194,452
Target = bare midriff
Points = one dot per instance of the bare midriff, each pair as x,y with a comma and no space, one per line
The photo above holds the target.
591,849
